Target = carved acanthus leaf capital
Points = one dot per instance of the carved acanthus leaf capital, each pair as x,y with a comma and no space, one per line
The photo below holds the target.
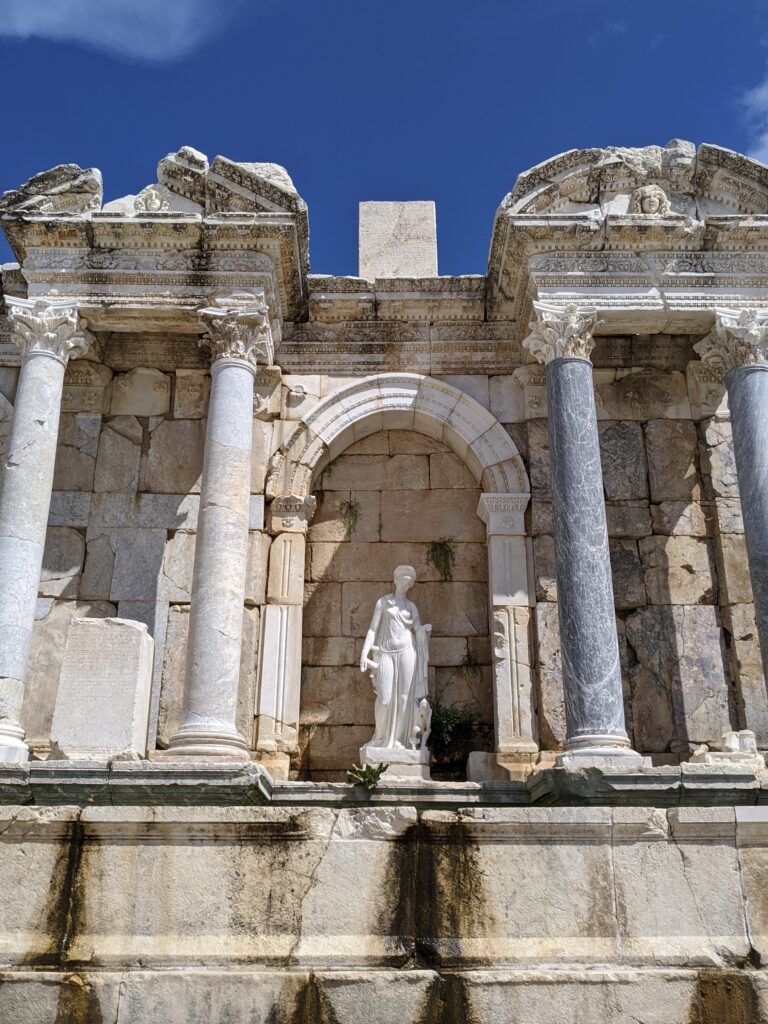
503,514
739,338
47,327
561,332
238,327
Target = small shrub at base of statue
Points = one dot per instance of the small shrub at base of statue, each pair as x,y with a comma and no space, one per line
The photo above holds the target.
368,775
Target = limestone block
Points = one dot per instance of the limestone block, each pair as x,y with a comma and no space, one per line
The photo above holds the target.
117,462
174,462
679,690
248,677
447,470
178,563
337,747
739,621
86,387
96,581
173,671
544,568
141,392
377,562
107,669
627,572
327,522
473,384
322,609
299,395
627,519
377,473
671,448
138,563
641,394
397,240
728,515
261,452
532,382
622,453
267,395
679,517
426,516
9,379
410,442
336,696
452,650
69,508
52,621
678,570
332,650
538,459
286,570
506,399
258,561
154,615
145,511
718,460
62,562
735,582
454,684
696,915
190,397
551,708
453,609
76,453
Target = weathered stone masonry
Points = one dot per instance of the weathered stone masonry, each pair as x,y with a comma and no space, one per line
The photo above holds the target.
229,455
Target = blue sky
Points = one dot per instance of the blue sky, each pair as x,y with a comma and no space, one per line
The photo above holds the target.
407,99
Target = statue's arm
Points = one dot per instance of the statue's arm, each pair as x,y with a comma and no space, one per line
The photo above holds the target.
370,638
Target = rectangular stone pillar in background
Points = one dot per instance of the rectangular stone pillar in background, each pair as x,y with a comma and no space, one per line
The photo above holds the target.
397,240
102,706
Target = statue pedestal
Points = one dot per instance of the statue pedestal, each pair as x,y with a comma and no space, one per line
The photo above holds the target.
403,764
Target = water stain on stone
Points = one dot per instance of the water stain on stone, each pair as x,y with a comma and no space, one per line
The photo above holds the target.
725,997
78,1002
398,917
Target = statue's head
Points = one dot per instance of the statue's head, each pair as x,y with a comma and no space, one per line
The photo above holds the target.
405,575
649,199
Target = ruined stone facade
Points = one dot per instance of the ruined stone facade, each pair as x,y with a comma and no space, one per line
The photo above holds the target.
212,461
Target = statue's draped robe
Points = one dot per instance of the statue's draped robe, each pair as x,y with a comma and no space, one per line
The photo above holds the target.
401,676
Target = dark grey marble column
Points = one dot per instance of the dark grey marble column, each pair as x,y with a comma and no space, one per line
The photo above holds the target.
594,705
739,345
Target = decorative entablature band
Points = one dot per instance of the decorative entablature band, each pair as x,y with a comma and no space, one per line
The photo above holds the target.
503,514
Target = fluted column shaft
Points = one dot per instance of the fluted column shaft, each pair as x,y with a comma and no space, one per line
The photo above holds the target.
594,705
237,337
739,346
48,334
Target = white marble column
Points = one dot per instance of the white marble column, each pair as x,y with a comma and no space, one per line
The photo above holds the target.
48,334
239,337
739,345
594,704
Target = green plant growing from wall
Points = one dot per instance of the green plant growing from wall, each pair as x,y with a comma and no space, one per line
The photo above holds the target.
451,724
470,664
441,556
367,776
349,513
325,472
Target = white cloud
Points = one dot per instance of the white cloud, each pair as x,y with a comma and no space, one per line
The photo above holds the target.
148,30
755,102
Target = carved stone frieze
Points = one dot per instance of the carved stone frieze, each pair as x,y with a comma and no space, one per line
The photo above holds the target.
47,328
558,333
291,513
739,338
238,327
503,514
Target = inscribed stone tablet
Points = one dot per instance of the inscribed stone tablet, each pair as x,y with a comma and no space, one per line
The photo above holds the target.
102,706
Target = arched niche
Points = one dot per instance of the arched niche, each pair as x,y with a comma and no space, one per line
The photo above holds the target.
411,402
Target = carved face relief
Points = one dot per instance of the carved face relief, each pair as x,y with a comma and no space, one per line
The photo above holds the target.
650,200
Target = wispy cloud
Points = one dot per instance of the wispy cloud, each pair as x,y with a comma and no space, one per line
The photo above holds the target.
146,30
755,103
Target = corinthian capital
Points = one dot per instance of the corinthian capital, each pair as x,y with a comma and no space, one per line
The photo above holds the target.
739,338
238,327
50,328
560,332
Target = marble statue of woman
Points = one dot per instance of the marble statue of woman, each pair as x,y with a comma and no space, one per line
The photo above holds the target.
396,656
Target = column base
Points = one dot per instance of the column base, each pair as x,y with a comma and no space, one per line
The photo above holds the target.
599,751
197,742
13,749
